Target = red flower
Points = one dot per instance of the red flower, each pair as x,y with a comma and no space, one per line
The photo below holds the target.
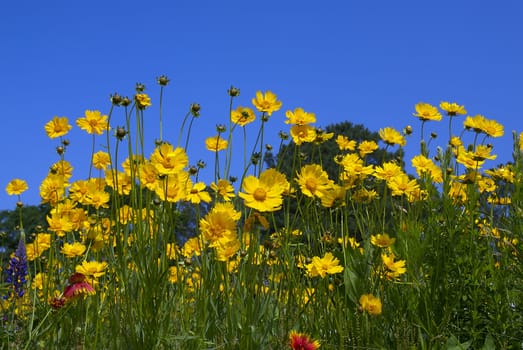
78,286
300,341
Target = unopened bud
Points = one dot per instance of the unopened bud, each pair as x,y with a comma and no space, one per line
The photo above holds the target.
195,109
116,99
120,132
140,87
162,80
233,92
126,101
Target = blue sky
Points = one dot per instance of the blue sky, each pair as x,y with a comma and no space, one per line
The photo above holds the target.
368,62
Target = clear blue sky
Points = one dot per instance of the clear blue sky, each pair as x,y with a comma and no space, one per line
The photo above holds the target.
368,62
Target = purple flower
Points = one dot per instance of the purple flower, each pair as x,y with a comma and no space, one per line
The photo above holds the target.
17,269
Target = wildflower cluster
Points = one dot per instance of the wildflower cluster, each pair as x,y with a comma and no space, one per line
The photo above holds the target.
344,245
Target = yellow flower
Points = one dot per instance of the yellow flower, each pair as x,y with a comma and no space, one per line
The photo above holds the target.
219,222
425,165
486,184
142,101
172,188
452,108
394,269
193,246
52,189
521,141
482,152
313,180
39,281
402,185
458,192
364,195
474,122
392,137
382,240
371,304
503,173
267,102
354,170
93,269
226,248
73,250
224,189
171,251
169,160
174,272
58,126
101,160
59,224
322,136
261,194
62,168
242,116
334,196
43,241
323,266
455,141
16,187
303,133
216,143
387,171
344,144
97,198
273,177
367,147
480,124
425,111
93,122
492,128
468,159
148,175
196,193
300,117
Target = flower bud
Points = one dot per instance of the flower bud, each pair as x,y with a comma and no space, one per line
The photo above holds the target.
140,87
162,80
220,128
233,92
193,170
283,135
116,99
195,109
120,132
126,101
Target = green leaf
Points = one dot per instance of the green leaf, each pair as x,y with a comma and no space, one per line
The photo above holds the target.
454,344
489,343
350,280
